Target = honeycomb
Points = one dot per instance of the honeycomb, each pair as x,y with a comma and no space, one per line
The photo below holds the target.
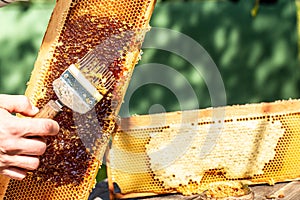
188,151
72,159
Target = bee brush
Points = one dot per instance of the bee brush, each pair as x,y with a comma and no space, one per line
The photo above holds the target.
75,87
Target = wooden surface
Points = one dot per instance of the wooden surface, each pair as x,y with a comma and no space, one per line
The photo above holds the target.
283,191
3,185
280,191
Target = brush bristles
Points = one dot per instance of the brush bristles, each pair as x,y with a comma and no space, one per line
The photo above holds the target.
69,166
91,65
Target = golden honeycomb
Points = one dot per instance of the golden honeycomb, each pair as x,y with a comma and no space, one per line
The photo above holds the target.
73,157
188,151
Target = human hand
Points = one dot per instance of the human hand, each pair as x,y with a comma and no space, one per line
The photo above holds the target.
21,139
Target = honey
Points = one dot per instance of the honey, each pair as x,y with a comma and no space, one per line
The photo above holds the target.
72,159
192,151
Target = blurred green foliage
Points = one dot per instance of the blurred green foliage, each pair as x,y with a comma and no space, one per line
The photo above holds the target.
257,57
21,31
298,14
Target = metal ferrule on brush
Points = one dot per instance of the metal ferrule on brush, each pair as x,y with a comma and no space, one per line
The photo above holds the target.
75,91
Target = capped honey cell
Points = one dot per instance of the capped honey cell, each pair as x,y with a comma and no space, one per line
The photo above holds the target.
252,146
69,166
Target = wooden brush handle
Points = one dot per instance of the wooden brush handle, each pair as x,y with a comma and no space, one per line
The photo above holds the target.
50,110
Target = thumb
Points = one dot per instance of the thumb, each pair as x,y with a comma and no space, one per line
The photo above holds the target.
17,104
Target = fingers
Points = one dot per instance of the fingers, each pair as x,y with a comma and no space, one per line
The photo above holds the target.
21,139
17,104
39,127
30,126
14,172
16,166
22,146
19,156
20,161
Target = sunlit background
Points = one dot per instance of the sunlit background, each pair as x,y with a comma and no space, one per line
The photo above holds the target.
255,47
255,54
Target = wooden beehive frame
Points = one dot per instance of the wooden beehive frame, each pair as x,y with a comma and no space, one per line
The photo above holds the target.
253,144
75,27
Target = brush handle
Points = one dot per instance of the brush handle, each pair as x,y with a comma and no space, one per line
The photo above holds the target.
50,110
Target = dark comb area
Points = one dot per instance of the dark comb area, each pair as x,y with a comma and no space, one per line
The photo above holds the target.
70,164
